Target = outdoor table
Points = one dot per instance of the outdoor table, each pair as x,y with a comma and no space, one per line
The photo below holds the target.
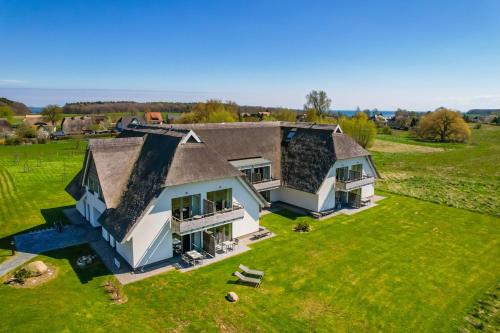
195,255
227,244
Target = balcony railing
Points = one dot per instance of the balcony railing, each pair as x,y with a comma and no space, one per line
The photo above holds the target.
353,180
207,220
262,183
267,184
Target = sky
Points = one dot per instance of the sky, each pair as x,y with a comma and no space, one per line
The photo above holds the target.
383,54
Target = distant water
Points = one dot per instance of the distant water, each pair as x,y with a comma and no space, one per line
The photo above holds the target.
35,109
350,113
347,113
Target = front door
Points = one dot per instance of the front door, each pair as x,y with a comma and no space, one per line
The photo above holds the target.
196,240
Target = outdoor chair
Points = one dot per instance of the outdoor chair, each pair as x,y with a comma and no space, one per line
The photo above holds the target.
256,282
249,271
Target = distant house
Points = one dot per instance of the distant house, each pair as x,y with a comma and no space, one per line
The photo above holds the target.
125,121
33,119
82,124
153,117
5,127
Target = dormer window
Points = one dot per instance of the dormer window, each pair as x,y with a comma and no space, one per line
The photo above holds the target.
290,135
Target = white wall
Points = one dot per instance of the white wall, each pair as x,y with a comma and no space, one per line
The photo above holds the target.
95,207
326,193
126,251
152,238
297,198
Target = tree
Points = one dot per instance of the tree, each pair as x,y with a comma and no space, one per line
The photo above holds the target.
444,125
319,101
52,113
285,115
6,112
360,128
213,111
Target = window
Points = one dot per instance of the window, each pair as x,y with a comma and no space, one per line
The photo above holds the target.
263,173
222,199
93,185
186,207
290,135
342,173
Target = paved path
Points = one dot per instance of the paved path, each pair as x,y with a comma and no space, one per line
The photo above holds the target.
29,245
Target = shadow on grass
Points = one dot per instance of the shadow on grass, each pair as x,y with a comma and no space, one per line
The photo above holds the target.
289,214
71,253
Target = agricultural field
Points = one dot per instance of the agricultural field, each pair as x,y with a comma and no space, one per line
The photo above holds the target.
459,175
406,265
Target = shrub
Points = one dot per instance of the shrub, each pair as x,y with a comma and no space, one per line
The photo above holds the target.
477,126
13,141
386,130
302,227
22,275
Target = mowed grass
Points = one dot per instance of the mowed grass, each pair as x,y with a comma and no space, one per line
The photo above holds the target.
32,182
462,175
404,266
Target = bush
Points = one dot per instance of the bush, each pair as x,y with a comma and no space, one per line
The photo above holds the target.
386,130
302,227
42,140
13,141
22,275
477,126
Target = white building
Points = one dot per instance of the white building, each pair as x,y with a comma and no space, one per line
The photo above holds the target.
157,189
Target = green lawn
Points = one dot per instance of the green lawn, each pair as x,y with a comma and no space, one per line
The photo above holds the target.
32,181
406,265
464,175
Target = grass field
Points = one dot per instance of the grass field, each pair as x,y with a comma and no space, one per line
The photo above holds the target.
460,175
32,181
407,265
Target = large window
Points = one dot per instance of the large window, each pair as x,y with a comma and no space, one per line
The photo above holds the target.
264,173
342,173
186,207
222,199
93,185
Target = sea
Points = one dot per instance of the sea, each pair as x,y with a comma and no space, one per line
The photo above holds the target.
347,113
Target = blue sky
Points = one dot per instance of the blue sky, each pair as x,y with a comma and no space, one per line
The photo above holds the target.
384,54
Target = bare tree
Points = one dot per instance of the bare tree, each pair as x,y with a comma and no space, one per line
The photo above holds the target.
319,101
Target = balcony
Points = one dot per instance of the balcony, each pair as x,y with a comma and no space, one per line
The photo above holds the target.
209,220
353,181
263,184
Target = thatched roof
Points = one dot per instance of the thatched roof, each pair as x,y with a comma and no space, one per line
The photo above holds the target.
5,126
114,160
76,125
32,119
198,162
144,183
236,141
136,166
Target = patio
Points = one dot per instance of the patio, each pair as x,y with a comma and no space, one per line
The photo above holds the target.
126,275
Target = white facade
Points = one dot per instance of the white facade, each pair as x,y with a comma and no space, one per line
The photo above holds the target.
150,240
91,207
324,198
